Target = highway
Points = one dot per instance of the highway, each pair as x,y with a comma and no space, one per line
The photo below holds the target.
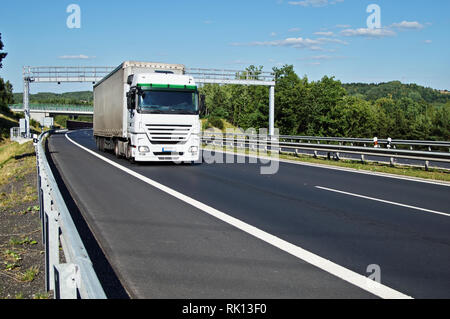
166,246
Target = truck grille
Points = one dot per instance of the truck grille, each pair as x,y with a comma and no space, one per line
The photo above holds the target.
168,133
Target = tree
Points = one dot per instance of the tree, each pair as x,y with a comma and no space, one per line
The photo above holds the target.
6,95
2,54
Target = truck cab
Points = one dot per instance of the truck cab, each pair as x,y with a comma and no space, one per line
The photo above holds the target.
163,118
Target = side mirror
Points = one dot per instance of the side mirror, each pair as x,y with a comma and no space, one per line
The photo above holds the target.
201,103
131,100
130,79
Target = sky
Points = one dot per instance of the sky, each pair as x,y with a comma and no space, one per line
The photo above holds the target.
398,40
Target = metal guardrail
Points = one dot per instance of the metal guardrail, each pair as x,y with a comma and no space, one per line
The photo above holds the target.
367,141
293,144
76,277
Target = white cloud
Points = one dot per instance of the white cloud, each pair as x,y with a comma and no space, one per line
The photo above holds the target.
324,33
289,42
428,41
411,25
273,34
318,57
338,41
76,57
389,31
366,32
294,29
299,43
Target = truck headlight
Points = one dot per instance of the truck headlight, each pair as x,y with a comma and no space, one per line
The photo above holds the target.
143,149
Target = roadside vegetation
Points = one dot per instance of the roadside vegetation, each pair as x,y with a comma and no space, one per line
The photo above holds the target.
21,249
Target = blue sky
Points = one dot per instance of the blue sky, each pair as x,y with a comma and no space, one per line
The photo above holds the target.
319,37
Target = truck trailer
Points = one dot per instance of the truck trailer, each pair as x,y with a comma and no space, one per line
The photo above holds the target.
146,111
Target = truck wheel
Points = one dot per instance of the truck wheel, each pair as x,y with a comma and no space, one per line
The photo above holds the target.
101,144
116,149
129,154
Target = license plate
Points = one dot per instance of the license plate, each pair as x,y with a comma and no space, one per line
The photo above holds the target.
168,149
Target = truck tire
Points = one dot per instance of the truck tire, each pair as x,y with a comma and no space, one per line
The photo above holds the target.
129,156
116,149
101,143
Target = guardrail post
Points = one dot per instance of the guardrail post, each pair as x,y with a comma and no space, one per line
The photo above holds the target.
53,244
427,165
66,281
45,233
392,161
362,158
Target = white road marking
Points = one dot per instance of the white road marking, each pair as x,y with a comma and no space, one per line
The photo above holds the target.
383,201
350,276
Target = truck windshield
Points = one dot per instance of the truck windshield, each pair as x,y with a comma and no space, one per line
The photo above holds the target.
168,102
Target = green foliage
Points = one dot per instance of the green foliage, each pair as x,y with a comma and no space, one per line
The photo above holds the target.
69,98
396,90
330,108
216,122
61,120
6,96
2,54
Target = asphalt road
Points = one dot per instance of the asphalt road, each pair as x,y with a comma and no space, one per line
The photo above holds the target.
162,247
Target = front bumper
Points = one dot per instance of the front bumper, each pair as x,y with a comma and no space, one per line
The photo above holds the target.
145,151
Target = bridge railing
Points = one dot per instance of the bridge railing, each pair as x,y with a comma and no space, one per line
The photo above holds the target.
76,277
54,107
334,147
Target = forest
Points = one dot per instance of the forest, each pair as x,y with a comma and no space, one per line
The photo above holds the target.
329,108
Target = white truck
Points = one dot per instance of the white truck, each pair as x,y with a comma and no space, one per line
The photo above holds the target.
148,112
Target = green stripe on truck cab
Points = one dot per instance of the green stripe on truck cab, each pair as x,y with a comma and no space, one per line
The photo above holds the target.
168,86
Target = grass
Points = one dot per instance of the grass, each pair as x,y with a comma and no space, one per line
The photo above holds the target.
205,124
11,119
23,241
42,296
30,274
432,173
16,161
11,259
